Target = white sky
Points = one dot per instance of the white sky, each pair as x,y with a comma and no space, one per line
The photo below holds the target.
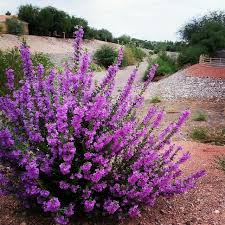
144,19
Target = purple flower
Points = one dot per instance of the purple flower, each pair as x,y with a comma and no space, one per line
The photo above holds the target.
44,193
52,205
10,78
77,44
68,151
184,116
89,205
111,206
97,176
32,170
65,168
69,210
62,220
120,56
63,185
86,167
151,75
60,133
134,177
134,211
27,63
6,139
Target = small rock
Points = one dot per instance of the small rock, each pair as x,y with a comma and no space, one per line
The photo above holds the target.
23,223
194,219
188,223
182,209
216,211
162,211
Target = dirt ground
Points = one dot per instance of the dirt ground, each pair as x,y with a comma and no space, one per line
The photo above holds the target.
206,71
204,205
214,109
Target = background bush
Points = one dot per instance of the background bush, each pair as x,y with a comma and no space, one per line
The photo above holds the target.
105,56
203,35
167,65
199,134
132,55
190,55
14,26
200,116
129,57
205,135
11,59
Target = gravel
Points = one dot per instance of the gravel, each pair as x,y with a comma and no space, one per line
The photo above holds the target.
179,85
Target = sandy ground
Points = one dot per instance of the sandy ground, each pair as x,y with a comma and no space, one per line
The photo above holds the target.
49,45
59,49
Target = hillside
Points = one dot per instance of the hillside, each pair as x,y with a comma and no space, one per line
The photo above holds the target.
58,48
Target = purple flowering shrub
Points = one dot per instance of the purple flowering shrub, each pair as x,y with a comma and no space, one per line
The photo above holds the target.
72,147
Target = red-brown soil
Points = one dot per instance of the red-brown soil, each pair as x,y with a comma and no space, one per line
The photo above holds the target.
201,70
204,205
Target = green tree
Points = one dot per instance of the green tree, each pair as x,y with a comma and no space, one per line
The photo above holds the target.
105,35
124,39
29,14
207,31
52,20
76,21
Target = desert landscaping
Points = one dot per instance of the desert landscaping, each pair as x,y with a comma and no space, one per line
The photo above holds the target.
74,142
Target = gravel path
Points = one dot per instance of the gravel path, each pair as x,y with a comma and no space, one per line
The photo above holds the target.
123,75
179,85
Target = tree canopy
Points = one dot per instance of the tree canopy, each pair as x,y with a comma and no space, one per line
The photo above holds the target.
207,31
49,21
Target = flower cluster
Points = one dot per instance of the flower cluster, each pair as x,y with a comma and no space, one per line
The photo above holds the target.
74,147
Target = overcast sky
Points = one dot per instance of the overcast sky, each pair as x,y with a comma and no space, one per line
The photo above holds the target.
144,19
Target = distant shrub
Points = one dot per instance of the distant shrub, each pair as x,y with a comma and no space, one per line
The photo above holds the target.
1,28
199,134
129,58
200,116
155,99
166,64
217,137
190,55
74,149
139,54
132,55
95,67
14,26
124,39
11,59
105,56
221,162
42,58
212,136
